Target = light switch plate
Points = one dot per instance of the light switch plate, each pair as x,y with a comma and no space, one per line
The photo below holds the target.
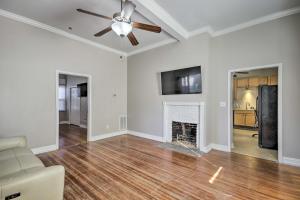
222,104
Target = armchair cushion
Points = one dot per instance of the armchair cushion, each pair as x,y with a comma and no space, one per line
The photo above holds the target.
18,163
8,143
22,173
40,183
10,153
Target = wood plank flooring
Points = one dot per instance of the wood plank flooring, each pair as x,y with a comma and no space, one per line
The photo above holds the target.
70,135
128,167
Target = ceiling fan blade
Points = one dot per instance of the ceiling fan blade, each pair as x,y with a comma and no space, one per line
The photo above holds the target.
128,9
147,27
103,32
94,14
132,39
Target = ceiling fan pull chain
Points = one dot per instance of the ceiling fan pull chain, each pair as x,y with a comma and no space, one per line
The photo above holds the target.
122,2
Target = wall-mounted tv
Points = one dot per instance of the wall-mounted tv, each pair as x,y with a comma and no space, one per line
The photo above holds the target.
182,81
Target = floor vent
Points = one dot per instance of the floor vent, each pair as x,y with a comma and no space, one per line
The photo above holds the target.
123,122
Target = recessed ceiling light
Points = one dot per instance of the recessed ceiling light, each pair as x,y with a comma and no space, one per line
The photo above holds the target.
70,28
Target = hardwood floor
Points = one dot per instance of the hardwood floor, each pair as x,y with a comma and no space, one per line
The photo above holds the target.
128,167
70,135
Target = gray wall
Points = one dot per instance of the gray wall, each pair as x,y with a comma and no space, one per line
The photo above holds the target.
29,58
272,42
145,103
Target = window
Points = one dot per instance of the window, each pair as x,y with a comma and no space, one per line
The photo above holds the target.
62,97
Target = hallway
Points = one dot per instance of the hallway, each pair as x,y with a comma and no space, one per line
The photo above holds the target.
70,135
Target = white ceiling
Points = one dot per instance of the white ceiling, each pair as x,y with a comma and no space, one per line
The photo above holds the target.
62,14
221,14
175,16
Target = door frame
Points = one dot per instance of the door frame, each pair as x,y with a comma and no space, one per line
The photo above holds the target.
230,106
89,122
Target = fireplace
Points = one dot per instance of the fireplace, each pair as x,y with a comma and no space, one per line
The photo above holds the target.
184,124
184,134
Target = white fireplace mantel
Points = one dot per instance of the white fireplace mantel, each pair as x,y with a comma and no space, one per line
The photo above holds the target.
189,112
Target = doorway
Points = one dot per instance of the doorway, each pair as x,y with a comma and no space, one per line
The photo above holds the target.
255,112
73,109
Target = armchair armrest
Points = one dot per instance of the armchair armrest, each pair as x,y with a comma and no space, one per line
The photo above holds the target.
40,184
7,143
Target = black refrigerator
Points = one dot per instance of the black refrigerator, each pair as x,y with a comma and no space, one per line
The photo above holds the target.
267,114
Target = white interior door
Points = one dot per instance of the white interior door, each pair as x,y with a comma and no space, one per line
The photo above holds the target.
74,106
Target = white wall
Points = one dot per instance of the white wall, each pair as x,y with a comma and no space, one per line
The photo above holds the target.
277,41
29,58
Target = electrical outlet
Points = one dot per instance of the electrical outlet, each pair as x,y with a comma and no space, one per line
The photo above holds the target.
223,104
107,126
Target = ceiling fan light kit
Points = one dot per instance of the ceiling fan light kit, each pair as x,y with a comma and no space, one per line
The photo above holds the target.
122,29
122,24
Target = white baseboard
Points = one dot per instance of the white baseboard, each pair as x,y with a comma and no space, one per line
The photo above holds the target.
44,149
207,148
67,122
220,147
82,126
145,135
291,161
107,135
64,122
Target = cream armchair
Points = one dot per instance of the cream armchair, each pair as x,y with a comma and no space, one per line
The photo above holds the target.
7,143
24,176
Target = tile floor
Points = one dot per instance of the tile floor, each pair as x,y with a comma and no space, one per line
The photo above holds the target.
245,144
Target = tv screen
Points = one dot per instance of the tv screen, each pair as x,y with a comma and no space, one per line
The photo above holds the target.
182,81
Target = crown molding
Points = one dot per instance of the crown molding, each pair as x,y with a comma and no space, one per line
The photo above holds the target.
212,33
257,21
43,26
156,9
152,46
206,29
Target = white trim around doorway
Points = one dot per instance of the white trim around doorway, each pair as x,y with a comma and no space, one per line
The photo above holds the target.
89,126
230,107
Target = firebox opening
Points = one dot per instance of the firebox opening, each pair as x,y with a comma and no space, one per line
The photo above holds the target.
184,134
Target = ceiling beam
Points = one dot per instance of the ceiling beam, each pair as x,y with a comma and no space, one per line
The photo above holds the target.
156,14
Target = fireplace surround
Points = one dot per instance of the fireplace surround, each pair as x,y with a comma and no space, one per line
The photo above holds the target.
184,123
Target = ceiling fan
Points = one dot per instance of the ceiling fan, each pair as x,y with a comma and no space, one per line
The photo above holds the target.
122,24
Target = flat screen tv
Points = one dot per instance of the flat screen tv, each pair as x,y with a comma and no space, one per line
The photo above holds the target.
182,81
